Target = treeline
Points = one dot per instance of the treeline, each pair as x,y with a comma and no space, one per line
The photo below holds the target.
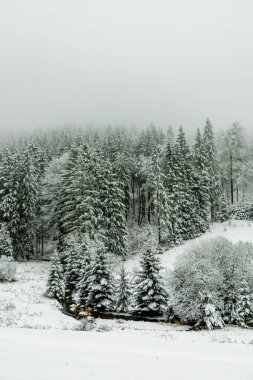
107,182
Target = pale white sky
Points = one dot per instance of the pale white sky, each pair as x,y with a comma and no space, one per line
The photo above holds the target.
132,61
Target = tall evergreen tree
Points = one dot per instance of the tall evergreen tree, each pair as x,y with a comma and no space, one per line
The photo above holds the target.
100,284
123,292
149,294
55,283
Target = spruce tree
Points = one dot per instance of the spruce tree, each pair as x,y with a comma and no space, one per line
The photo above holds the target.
201,182
149,294
6,248
160,200
123,292
82,290
99,282
73,254
244,305
213,170
55,283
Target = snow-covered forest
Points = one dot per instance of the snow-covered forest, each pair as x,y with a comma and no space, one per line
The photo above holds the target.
90,200
132,227
115,182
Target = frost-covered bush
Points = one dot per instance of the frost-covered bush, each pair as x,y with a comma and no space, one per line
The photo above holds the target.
7,269
216,267
243,211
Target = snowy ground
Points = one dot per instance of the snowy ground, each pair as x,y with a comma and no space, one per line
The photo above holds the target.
49,345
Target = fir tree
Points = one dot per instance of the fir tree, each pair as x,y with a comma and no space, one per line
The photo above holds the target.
149,293
123,292
201,182
212,169
160,200
73,253
244,305
82,290
55,283
99,282
6,248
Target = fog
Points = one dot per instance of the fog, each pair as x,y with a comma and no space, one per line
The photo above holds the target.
134,62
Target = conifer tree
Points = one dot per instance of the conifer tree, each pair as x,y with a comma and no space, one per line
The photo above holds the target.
201,181
244,305
160,199
73,253
99,281
6,248
149,294
123,292
212,169
55,283
82,290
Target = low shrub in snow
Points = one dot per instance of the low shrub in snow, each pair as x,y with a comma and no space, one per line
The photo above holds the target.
206,285
7,269
243,211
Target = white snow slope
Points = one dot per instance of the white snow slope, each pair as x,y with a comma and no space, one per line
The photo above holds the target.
47,348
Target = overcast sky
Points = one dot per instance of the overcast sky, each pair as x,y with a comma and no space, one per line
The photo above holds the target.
133,61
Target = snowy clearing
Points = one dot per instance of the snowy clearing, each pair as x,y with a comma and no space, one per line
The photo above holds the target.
39,336
47,355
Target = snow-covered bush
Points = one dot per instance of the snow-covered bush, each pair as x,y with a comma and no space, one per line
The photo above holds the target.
7,269
216,267
243,211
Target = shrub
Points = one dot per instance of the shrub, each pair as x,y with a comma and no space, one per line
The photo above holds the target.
243,211
7,269
216,267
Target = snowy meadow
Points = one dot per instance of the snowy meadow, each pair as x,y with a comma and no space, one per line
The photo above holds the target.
39,335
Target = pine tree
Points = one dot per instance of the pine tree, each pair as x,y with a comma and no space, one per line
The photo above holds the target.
55,283
212,167
149,294
201,182
82,290
6,248
123,292
160,199
244,305
184,201
223,211
114,213
73,253
99,281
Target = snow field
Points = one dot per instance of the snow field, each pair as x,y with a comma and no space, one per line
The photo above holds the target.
40,340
